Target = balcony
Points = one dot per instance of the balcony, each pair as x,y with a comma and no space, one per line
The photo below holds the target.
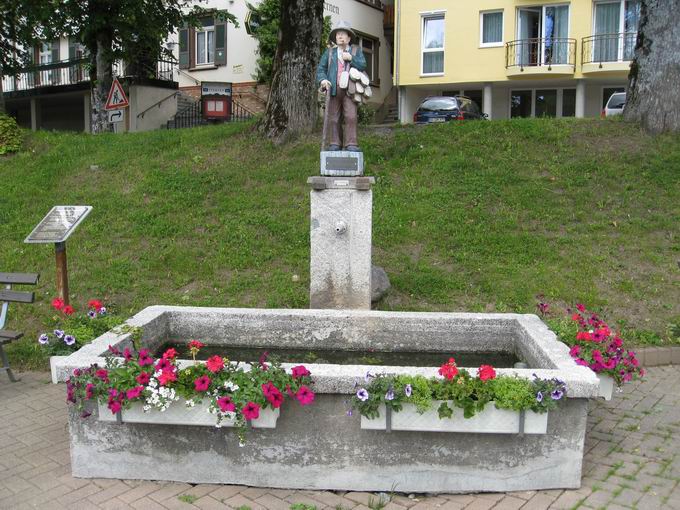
74,74
608,53
540,57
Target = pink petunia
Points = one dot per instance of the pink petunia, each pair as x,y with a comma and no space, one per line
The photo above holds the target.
171,353
167,376
304,395
226,405
144,358
202,383
89,391
251,411
134,392
102,374
127,354
143,378
300,371
163,364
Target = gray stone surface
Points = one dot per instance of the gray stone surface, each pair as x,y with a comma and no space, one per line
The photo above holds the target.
380,283
340,254
627,455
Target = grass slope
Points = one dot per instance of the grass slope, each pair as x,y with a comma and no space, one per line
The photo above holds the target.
476,216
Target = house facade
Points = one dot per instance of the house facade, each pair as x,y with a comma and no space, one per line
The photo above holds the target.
218,52
515,58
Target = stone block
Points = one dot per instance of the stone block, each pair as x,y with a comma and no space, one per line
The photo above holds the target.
342,163
675,355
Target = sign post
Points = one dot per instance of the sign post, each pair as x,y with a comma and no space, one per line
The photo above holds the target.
56,227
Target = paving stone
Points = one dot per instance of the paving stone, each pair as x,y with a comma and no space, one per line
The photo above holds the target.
239,500
331,499
147,503
226,492
271,502
510,503
138,492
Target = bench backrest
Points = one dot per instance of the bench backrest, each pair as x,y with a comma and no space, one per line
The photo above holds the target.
8,295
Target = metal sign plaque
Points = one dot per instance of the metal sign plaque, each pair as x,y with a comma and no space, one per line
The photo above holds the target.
59,224
215,88
341,163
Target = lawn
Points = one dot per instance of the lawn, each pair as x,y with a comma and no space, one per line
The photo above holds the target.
476,216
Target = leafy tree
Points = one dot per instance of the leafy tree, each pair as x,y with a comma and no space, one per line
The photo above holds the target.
22,25
653,98
268,13
292,106
128,30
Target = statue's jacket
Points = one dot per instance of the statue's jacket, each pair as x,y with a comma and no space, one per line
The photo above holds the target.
330,73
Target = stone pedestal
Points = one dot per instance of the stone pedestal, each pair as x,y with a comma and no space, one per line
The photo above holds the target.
340,261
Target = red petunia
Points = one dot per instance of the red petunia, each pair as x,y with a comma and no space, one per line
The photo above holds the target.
58,303
486,372
167,376
195,345
145,358
214,364
171,353
251,411
68,310
143,378
102,374
576,317
134,392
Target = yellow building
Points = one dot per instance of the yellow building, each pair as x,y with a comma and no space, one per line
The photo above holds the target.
515,58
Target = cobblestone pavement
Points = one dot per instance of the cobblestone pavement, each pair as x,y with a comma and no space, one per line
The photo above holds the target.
632,461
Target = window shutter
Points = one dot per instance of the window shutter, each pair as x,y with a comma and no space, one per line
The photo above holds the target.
220,43
184,48
55,51
72,48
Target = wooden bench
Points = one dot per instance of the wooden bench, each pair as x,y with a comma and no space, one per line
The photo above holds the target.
8,296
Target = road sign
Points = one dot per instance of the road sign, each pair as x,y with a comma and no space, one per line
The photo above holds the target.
253,22
117,98
116,116
59,224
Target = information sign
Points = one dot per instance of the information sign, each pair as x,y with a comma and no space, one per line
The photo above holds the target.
116,116
59,224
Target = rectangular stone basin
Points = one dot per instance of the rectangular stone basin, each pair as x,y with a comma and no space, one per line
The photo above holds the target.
319,446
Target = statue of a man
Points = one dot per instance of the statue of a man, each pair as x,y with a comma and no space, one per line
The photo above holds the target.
339,57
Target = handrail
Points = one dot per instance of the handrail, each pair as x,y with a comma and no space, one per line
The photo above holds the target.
540,51
157,103
181,71
614,47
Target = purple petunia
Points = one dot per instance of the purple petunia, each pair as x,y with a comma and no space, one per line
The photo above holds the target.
59,333
368,377
408,390
92,314
69,339
362,395
44,339
539,397
389,395
557,394
102,311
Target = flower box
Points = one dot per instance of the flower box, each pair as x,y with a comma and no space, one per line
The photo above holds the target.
488,421
606,386
179,414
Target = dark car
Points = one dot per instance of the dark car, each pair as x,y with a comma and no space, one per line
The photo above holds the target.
445,108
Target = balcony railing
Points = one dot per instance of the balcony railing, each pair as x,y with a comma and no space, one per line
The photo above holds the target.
608,48
74,71
540,52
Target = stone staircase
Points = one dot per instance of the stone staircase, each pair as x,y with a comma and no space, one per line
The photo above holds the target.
392,116
188,113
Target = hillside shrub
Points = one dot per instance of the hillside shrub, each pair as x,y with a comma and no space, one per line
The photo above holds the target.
10,135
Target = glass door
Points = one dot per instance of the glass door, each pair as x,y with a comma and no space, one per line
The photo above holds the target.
45,57
631,20
555,33
529,32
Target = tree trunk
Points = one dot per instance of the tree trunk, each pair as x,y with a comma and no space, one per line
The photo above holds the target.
102,85
653,98
2,94
292,105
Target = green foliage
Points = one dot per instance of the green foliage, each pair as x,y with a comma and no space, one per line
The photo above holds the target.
302,506
10,135
187,498
462,391
366,113
267,35
513,393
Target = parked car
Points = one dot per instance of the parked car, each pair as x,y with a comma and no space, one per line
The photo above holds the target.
614,105
445,108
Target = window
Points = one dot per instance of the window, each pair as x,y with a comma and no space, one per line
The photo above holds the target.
615,25
205,43
433,44
370,46
569,103
543,35
520,103
546,103
491,30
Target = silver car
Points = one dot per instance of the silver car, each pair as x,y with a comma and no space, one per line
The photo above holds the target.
615,105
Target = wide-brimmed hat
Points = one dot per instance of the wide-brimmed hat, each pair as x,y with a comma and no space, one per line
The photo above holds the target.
342,25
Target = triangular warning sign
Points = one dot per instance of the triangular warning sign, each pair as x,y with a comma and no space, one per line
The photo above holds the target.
117,98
